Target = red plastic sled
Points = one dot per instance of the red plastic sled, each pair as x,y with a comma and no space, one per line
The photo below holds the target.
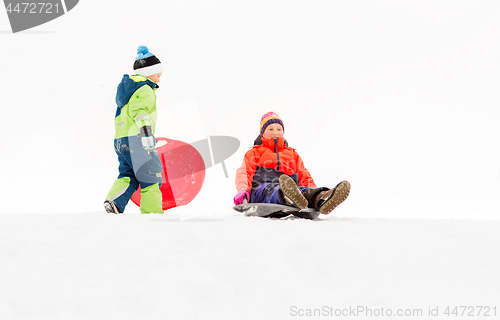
182,176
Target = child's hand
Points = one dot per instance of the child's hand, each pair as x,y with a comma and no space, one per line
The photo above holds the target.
148,143
238,198
147,138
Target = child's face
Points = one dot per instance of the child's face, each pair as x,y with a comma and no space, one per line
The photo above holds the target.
274,130
155,77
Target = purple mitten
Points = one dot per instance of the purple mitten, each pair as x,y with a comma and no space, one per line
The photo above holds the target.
238,198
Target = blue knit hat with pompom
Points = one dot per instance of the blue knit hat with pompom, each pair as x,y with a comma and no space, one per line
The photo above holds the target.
146,63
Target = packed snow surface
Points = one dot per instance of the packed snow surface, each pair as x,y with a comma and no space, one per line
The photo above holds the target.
99,266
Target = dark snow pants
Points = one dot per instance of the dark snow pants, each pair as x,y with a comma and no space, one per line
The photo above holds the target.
269,193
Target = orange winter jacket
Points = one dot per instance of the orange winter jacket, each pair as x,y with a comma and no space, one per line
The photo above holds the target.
267,161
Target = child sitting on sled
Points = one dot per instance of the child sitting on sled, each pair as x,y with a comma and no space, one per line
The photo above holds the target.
272,172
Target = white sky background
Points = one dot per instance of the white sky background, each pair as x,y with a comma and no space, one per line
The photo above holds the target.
401,98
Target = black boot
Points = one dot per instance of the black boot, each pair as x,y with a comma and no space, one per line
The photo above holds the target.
328,200
111,207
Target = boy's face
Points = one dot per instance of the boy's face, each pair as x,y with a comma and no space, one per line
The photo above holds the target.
155,77
274,130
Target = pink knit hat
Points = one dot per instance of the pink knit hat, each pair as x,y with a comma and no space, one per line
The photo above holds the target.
269,118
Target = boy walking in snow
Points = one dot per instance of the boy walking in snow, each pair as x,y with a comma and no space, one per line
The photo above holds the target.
135,120
272,172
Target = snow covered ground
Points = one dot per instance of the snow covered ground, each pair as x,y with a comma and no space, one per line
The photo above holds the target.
96,266
400,98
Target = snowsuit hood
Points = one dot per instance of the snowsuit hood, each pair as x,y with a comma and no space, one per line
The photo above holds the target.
136,105
127,87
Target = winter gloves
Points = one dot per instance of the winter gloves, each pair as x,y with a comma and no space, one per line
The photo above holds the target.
238,198
147,138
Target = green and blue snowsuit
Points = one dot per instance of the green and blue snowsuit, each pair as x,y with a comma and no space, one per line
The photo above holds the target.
136,108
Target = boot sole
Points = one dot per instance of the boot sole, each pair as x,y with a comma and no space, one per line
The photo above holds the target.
341,193
111,207
292,192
